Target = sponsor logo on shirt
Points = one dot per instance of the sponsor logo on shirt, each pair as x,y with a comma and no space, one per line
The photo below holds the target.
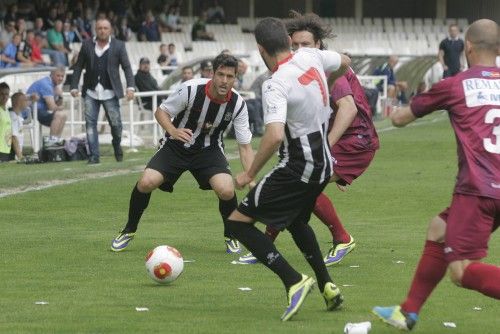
489,74
481,92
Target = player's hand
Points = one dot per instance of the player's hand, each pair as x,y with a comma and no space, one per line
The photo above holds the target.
341,187
241,180
130,94
252,185
75,92
184,135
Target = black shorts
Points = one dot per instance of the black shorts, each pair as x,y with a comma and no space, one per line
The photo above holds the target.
280,200
172,160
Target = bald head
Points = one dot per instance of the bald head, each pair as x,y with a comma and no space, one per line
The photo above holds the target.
483,35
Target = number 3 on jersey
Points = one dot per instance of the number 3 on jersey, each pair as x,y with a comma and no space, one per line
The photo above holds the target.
487,142
311,75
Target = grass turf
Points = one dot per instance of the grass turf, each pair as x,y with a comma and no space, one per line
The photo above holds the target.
54,247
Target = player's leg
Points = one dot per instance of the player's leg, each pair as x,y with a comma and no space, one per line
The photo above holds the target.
222,184
92,107
430,271
112,109
470,244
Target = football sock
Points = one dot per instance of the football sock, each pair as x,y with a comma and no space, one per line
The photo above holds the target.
305,239
265,251
430,271
482,277
225,209
138,203
324,210
272,233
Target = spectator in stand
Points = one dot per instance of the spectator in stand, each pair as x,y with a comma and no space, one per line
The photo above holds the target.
50,20
451,52
5,124
199,31
7,34
21,28
241,82
168,55
9,56
123,31
145,82
39,29
206,69
215,13
25,50
387,69
150,28
55,38
11,15
49,107
19,104
169,19
70,34
187,74
40,47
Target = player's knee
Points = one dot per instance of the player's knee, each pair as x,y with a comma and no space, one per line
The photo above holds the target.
61,115
147,184
436,230
225,193
456,276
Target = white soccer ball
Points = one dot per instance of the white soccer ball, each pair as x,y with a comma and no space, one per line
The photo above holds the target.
164,264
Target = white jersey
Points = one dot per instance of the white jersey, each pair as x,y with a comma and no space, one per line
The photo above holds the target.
17,127
297,95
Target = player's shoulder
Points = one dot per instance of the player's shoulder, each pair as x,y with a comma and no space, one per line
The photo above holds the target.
193,83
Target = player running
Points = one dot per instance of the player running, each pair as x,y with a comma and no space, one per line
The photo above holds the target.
457,239
352,136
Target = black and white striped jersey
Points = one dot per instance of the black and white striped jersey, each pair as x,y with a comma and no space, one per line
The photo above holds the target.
297,95
192,107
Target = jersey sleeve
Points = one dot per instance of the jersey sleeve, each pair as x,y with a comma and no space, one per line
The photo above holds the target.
176,102
330,59
46,90
340,89
274,101
16,130
436,98
241,125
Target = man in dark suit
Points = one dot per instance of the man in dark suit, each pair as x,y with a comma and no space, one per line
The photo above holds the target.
101,58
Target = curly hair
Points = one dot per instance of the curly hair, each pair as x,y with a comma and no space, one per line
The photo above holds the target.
309,22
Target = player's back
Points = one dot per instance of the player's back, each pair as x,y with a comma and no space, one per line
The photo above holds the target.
472,99
297,94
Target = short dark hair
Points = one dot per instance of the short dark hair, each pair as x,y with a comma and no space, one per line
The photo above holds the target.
309,22
271,34
4,85
187,67
226,61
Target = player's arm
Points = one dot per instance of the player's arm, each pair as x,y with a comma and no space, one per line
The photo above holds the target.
170,108
243,136
51,103
345,62
441,59
402,116
17,148
345,116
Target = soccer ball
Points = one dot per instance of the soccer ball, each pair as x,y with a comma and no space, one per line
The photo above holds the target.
164,264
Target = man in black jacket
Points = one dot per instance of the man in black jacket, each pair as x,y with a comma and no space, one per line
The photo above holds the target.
101,58
145,82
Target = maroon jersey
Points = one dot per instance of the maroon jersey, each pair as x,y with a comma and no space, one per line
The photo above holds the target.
361,135
472,99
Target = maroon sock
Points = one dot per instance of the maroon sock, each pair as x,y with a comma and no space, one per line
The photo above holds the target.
484,278
272,233
324,210
430,271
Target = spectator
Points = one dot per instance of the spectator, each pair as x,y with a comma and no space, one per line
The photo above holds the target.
25,50
39,29
5,124
123,31
150,28
199,31
241,83
55,38
9,56
451,52
19,104
70,34
187,74
50,21
167,57
49,106
145,82
169,19
215,13
101,60
7,34
12,14
387,69
206,69
21,28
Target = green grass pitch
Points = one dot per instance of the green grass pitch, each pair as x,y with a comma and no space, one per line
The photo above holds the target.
54,247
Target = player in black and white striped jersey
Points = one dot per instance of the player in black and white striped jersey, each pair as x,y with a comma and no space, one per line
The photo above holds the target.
296,113
194,119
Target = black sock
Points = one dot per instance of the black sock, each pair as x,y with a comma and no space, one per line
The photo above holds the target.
265,251
305,239
138,203
225,209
